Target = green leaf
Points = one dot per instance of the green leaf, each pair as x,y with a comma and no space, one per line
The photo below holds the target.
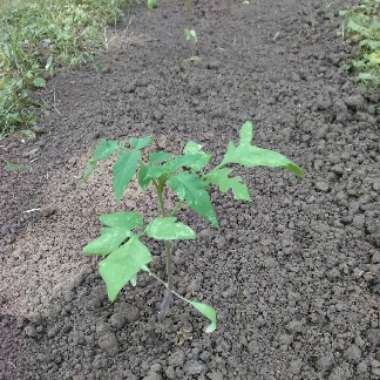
140,142
200,157
158,157
105,149
220,177
122,265
159,173
152,4
14,168
168,229
366,77
192,161
108,241
208,312
189,187
190,35
374,58
246,133
123,171
144,179
251,156
39,82
126,220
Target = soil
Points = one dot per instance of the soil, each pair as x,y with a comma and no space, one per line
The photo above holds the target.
294,275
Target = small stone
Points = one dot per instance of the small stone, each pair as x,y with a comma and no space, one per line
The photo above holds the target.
194,367
30,331
333,274
52,332
153,376
155,368
118,320
358,273
362,367
359,221
260,321
375,368
109,343
322,186
204,234
325,362
341,373
101,328
253,347
170,373
177,359
355,102
295,366
38,129
213,65
79,377
376,185
195,284
132,313
341,111
215,376
205,356
373,336
346,219
285,339
220,242
48,211
79,338
322,103
338,169
99,362
296,326
353,354
375,238
376,258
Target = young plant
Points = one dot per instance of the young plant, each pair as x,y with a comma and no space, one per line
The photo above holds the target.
152,4
362,26
191,35
185,175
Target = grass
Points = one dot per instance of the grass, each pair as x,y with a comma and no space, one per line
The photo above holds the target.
39,37
362,27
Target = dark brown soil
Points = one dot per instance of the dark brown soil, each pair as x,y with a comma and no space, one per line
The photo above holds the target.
294,275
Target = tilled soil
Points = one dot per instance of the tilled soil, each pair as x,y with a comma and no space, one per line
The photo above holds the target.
294,275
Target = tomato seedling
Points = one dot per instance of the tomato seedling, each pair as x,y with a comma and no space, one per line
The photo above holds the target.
185,175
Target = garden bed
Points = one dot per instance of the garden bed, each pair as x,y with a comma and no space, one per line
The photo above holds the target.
294,275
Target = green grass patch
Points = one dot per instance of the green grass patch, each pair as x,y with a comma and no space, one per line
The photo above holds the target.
39,37
362,27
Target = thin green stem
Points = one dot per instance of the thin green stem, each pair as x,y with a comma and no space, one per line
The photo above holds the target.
168,244
161,202
167,286
169,263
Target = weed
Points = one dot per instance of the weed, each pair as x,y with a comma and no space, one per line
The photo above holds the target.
124,254
15,168
152,4
191,35
39,37
362,26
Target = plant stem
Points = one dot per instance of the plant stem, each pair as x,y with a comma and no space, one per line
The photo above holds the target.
167,286
161,202
168,244
169,263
